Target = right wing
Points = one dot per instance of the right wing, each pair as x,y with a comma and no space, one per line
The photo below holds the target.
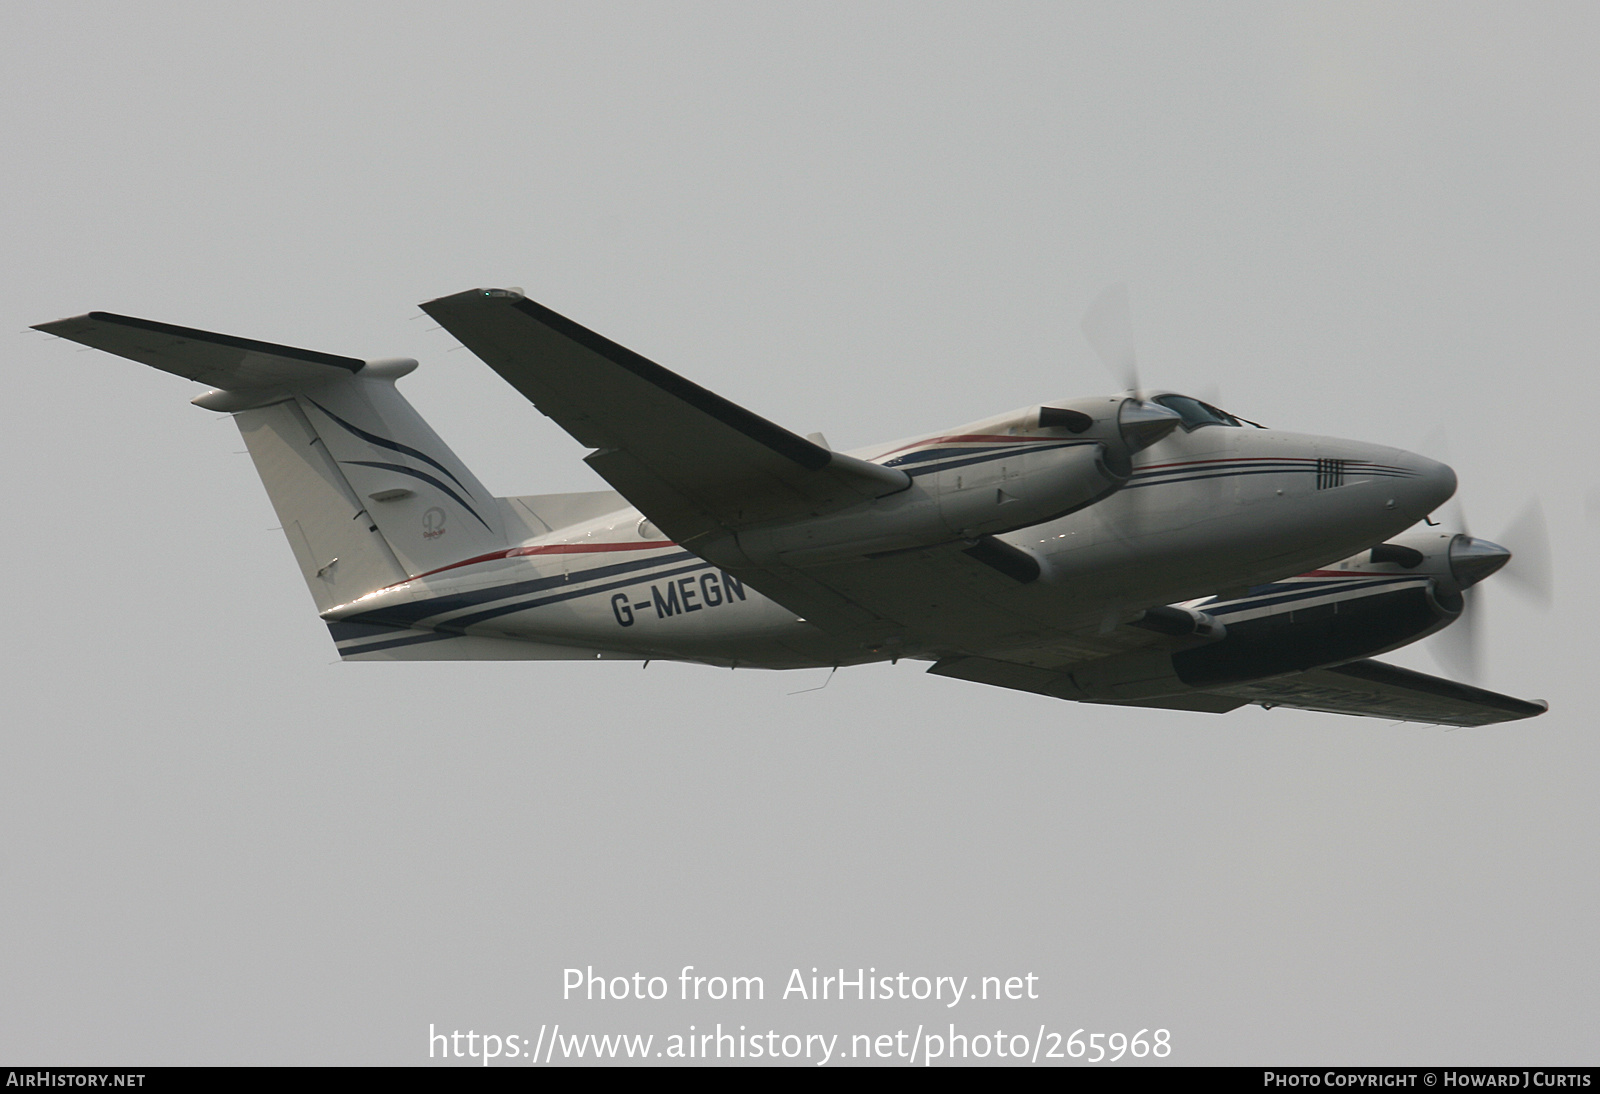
1368,688
693,462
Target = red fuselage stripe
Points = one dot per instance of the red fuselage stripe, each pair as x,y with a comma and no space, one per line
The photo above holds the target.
545,549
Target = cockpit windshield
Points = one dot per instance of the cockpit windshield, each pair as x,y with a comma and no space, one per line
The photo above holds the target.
1195,413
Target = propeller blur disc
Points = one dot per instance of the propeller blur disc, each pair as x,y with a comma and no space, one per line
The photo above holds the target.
1108,325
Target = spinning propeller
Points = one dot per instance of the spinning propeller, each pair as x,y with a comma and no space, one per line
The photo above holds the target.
1459,647
1108,325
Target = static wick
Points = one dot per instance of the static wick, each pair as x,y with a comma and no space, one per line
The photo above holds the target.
820,686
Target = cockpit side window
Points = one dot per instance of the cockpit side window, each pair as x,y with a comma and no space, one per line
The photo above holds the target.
1195,413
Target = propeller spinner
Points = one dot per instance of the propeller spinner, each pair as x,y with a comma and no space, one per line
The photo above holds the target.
1459,647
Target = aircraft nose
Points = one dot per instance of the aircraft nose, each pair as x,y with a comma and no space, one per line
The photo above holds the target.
1472,560
1430,485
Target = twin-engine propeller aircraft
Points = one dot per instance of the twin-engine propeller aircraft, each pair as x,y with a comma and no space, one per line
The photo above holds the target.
1138,550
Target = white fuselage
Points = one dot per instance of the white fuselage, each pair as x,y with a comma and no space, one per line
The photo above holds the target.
1209,509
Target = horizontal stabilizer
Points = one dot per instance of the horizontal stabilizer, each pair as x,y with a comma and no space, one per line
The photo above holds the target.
220,360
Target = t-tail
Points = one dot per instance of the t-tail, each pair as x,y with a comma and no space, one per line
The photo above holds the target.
367,493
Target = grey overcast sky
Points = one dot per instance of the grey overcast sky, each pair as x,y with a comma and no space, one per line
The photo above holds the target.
218,845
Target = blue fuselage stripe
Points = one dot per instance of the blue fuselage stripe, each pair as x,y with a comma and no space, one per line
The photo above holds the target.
462,622
1153,479
408,640
408,614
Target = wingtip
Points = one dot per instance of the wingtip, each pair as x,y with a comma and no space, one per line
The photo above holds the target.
512,293
54,326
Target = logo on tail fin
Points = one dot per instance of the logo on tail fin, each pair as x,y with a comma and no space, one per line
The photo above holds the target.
433,523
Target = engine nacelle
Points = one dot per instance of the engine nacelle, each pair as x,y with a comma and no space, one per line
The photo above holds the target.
1386,597
960,497
1030,484
1316,630
981,479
